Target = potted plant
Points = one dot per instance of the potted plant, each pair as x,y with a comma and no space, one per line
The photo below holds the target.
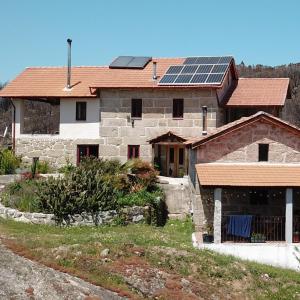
208,236
258,238
296,237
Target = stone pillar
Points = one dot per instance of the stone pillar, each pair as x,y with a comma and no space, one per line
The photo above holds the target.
289,215
19,104
217,214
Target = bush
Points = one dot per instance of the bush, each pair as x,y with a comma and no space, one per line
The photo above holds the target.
69,167
89,188
9,162
22,195
142,175
155,201
43,167
95,185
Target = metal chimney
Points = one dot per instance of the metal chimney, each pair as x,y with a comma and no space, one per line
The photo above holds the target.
154,75
204,120
69,41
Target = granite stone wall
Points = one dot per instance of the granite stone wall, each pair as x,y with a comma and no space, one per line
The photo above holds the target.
131,214
50,148
242,145
117,130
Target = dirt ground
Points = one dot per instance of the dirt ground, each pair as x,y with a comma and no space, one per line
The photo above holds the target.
23,279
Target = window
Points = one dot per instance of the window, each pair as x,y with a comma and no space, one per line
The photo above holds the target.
259,197
178,108
87,150
133,151
136,108
263,152
80,111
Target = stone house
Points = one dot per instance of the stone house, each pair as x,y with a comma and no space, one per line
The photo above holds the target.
127,109
248,167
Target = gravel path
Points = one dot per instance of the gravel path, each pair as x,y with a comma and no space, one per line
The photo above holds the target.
21,278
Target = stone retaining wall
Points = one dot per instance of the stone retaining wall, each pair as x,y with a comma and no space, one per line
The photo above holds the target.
133,214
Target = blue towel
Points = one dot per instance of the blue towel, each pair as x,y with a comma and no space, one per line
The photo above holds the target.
239,225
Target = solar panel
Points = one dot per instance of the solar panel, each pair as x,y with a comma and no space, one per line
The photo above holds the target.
174,70
189,69
219,68
197,70
167,79
183,79
204,69
130,62
215,78
199,78
225,59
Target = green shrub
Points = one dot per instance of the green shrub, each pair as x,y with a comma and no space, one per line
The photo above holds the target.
22,195
89,188
155,200
43,167
9,162
142,175
66,169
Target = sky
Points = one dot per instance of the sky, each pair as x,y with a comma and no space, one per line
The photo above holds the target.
34,32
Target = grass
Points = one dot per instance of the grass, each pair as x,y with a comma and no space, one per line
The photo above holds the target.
142,251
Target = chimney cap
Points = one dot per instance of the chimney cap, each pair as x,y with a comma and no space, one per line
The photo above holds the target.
69,41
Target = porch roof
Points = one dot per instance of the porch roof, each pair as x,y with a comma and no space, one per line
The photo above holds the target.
169,137
248,175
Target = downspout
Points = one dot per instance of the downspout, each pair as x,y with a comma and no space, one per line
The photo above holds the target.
13,127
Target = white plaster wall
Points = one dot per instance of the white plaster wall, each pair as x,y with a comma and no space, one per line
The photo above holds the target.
278,255
69,128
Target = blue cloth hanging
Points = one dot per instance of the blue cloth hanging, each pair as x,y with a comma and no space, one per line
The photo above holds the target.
239,225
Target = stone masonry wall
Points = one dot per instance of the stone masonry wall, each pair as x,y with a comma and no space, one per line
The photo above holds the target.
133,215
117,131
242,145
50,148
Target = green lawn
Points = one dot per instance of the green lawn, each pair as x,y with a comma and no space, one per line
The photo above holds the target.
145,260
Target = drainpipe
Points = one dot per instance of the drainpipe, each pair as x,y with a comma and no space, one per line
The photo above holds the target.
204,120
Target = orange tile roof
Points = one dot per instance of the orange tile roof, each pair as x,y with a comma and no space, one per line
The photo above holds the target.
258,92
230,127
133,78
246,175
50,82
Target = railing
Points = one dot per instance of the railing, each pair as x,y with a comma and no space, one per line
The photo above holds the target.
263,228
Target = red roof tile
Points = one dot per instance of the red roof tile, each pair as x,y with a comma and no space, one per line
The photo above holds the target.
50,82
259,92
230,127
246,175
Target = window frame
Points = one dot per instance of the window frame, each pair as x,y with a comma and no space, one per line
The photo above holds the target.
178,108
80,114
135,151
87,151
263,152
136,108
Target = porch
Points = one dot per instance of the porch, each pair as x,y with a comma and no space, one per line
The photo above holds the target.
170,155
252,202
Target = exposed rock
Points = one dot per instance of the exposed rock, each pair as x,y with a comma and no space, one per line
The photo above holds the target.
104,252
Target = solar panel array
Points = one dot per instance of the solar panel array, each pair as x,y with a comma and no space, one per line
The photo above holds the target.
130,62
197,71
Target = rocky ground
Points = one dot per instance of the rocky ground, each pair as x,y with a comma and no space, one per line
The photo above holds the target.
23,279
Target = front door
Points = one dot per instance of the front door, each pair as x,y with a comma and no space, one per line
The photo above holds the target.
176,161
